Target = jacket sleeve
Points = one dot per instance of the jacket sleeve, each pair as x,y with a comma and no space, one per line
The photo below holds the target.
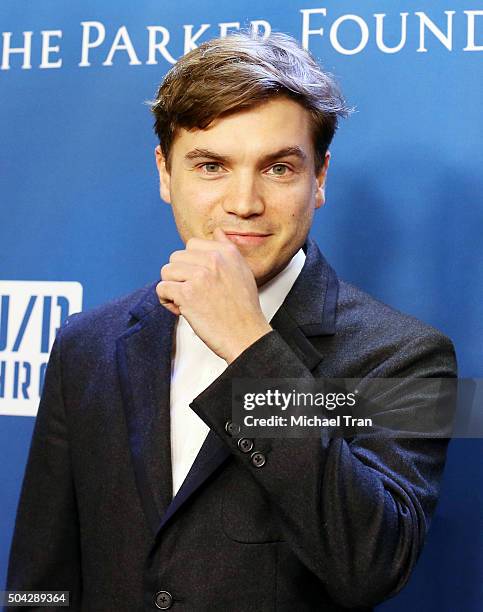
45,552
355,511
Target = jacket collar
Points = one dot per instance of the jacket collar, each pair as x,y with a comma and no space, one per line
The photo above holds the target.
312,300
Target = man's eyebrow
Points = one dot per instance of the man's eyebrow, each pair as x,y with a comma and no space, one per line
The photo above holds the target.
203,153
293,151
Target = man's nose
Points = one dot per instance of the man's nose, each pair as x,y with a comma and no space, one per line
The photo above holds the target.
244,197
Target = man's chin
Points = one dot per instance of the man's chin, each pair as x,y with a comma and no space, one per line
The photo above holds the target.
262,275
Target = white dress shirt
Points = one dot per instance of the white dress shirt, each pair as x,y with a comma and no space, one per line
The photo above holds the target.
194,367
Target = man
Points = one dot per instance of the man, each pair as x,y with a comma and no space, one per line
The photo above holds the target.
139,494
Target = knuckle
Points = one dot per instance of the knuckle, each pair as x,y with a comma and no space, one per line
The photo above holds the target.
174,256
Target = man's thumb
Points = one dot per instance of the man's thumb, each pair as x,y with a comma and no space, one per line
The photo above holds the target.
220,236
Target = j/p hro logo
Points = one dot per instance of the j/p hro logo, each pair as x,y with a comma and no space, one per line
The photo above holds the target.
31,312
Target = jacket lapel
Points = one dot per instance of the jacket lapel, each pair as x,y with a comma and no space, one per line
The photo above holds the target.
210,457
310,307
144,362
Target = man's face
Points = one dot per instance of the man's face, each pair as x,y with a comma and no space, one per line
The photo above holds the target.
251,174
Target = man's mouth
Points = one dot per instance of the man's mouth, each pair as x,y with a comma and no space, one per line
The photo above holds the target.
247,238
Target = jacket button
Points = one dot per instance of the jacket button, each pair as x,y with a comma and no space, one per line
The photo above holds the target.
258,459
232,428
245,445
163,600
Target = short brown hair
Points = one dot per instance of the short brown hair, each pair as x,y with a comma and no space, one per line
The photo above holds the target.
226,75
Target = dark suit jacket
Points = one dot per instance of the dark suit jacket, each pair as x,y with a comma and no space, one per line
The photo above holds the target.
322,525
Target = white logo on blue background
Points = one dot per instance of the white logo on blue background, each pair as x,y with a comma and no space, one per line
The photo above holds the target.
31,312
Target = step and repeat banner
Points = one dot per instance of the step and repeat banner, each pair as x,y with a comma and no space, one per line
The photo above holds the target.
82,221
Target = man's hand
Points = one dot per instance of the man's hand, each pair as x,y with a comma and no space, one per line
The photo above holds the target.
212,286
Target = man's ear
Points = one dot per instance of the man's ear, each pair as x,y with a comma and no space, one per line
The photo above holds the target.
164,176
321,179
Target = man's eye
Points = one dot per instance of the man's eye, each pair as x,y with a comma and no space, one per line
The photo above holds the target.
280,170
211,167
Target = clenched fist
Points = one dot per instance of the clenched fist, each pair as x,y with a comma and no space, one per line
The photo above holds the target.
212,286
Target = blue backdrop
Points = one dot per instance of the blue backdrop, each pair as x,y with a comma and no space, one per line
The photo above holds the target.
404,218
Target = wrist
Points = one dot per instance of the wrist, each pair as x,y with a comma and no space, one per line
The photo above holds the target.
247,340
